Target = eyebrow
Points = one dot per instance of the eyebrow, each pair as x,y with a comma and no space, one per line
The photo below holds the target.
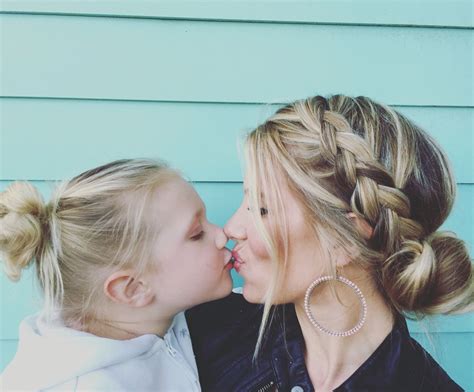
246,192
190,226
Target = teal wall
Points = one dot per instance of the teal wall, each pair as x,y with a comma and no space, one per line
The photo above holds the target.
83,83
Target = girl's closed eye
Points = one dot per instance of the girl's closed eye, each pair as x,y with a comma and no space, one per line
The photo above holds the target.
198,236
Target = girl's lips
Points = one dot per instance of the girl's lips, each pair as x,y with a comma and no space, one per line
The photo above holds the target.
229,264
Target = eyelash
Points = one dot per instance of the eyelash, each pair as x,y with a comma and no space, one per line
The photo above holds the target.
199,236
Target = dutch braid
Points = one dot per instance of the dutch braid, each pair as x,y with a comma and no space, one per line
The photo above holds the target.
357,155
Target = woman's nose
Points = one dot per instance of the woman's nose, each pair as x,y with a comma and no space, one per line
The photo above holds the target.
234,229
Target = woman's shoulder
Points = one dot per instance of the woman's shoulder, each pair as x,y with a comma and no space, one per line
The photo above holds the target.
226,312
224,334
419,366
400,363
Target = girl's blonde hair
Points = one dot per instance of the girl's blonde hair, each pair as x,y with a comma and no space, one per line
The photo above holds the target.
95,222
345,154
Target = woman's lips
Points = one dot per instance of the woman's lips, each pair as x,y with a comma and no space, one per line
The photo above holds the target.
237,260
229,264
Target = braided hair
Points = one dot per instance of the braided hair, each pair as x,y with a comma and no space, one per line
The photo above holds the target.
343,154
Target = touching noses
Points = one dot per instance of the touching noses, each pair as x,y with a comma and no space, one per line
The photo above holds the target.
220,238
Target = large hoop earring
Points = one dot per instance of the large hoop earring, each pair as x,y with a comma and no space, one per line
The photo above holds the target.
353,286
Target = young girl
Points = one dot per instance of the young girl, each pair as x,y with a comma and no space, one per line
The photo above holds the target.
120,252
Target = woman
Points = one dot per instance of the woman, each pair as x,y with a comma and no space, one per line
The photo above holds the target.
117,253
343,200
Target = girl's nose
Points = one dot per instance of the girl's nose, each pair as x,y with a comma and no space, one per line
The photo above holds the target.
220,238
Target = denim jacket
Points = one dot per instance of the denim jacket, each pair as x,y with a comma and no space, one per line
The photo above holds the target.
224,334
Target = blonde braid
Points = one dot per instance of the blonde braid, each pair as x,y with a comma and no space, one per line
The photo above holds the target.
375,198
355,154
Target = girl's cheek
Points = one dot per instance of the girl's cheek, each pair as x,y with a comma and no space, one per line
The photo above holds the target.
211,257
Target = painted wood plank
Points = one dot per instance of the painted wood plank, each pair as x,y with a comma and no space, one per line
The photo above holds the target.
456,13
20,299
68,136
134,59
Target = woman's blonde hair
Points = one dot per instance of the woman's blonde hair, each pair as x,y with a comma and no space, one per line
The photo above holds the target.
345,154
95,222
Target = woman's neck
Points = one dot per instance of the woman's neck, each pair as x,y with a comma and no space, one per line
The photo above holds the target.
330,360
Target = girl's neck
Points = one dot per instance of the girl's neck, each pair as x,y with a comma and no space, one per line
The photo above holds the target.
331,360
121,329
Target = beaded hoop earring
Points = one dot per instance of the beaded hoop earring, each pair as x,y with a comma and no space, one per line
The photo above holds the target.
353,286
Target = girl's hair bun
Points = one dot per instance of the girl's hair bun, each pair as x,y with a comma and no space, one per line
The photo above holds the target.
23,221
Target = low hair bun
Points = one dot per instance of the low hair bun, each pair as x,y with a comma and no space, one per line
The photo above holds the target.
433,276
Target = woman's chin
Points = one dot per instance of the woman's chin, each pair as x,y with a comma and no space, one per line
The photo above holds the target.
251,294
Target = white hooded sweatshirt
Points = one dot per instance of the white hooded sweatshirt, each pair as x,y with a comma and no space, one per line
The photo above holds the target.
53,357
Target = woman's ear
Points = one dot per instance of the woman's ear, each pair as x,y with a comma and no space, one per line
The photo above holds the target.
125,288
344,257
362,226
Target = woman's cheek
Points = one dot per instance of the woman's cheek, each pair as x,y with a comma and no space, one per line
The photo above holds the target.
257,246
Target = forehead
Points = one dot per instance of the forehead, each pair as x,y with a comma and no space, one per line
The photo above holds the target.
292,204
175,201
264,191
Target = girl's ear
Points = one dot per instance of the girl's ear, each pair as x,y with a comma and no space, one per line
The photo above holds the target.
124,288
363,227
